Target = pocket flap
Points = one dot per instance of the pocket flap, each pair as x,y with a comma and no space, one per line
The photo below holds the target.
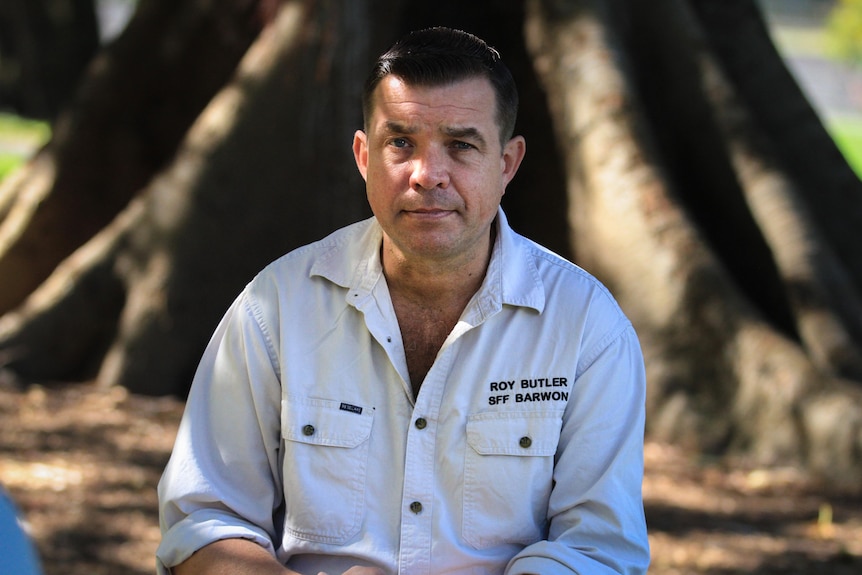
515,433
324,422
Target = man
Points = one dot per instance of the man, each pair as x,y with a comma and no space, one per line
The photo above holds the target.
422,392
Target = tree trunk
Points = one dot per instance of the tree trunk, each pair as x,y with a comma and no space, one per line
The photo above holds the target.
45,45
137,101
657,159
251,177
677,201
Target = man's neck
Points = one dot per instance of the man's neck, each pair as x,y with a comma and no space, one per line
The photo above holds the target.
434,282
428,299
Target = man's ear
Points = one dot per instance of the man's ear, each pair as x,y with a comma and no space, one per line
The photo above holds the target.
513,154
360,152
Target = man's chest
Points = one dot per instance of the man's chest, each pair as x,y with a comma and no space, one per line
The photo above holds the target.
423,332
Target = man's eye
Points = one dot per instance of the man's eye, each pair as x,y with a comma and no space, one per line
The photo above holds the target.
458,145
399,143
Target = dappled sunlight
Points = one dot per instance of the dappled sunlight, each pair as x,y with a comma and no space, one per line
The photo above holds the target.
722,518
54,475
83,462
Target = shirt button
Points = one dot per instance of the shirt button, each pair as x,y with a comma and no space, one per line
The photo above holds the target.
416,507
525,442
308,430
421,423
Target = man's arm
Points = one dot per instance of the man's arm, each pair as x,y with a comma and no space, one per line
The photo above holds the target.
244,557
596,513
231,557
221,481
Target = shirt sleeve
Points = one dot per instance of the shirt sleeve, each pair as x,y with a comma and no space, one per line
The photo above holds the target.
222,480
596,515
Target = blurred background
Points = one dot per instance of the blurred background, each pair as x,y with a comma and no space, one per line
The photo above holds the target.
821,41
701,157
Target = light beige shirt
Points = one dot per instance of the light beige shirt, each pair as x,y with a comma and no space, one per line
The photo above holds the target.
523,452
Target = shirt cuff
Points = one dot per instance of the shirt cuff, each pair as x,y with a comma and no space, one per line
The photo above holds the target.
535,565
200,529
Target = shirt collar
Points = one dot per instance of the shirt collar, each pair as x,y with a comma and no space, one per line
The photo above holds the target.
353,262
514,260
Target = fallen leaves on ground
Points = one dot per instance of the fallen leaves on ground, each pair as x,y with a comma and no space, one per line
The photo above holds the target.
82,463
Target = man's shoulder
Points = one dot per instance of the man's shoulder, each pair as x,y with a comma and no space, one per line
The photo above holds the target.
567,284
325,264
342,243
552,266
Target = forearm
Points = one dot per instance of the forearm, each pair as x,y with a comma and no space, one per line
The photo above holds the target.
231,557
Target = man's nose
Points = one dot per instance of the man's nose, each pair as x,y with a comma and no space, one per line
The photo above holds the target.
429,170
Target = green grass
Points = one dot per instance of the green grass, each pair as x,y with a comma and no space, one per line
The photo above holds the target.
8,164
12,126
19,138
847,134
814,41
801,41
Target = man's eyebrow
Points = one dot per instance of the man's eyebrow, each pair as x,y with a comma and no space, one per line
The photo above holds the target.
469,133
392,127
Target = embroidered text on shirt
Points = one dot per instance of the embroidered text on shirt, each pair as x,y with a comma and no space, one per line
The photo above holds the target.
509,385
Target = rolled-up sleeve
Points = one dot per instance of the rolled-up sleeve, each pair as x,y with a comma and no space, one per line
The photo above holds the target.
597,523
222,480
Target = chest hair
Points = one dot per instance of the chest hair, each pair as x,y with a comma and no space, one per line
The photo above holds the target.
424,328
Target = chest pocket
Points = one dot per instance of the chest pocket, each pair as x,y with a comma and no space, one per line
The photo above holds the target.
508,476
326,461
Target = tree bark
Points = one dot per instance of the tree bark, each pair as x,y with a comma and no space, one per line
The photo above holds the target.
251,179
831,190
45,46
725,373
137,101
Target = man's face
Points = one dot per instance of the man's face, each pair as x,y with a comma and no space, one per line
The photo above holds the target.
434,168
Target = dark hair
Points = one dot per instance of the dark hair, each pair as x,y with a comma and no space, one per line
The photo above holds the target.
439,56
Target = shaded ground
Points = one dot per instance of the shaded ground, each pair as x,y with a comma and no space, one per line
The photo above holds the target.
83,463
